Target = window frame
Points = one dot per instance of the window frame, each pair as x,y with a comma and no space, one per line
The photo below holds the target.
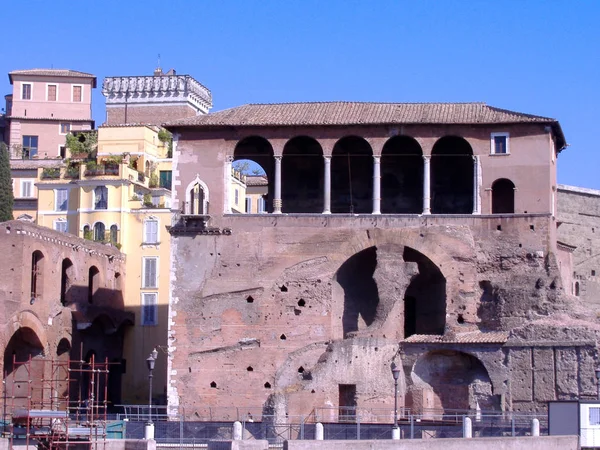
48,92
62,222
153,304
73,86
60,128
96,208
23,181
145,260
145,237
493,136
95,232
56,200
29,147
23,84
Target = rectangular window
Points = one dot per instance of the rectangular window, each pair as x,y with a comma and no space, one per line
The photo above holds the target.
499,144
150,275
150,231
60,225
237,197
77,90
62,199
101,197
150,308
165,179
65,128
26,188
26,91
248,205
63,151
30,146
260,205
594,416
51,92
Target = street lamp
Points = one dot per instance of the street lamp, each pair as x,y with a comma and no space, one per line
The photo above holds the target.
598,382
150,362
396,375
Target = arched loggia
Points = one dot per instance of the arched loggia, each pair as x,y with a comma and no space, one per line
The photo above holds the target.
302,176
452,176
352,176
401,176
260,151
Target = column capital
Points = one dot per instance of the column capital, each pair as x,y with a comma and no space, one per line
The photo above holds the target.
377,159
278,158
229,159
426,158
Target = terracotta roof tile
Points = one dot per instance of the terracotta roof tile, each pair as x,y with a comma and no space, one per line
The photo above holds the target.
473,337
256,180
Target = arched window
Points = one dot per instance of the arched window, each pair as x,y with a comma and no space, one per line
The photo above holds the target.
196,197
577,288
93,283
37,261
66,275
114,234
99,232
503,197
101,197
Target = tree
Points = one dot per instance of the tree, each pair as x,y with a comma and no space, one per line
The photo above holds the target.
6,192
83,143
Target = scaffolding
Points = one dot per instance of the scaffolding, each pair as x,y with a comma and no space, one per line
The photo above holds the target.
56,403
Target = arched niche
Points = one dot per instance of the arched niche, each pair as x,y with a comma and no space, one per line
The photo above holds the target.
503,196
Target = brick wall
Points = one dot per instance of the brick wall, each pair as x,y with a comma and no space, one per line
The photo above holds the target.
155,115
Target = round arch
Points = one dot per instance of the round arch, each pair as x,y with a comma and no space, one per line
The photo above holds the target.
452,175
503,196
352,176
401,176
302,176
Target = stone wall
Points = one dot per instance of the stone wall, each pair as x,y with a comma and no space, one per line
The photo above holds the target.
147,114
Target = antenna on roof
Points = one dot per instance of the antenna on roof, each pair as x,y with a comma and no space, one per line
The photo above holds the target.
158,70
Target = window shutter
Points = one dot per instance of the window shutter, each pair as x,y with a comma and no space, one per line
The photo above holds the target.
149,309
150,273
61,199
151,232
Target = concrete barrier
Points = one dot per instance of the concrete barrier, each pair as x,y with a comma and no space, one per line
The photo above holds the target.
125,444
508,443
238,445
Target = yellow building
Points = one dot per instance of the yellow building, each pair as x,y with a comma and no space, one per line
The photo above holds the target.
122,197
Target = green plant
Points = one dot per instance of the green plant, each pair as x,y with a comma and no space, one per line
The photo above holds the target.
113,159
89,235
51,173
153,180
82,143
133,163
135,198
6,192
119,246
72,171
148,200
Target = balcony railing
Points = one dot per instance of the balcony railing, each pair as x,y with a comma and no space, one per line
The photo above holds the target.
99,170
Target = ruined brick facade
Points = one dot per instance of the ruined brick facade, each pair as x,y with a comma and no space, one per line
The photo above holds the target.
443,260
62,298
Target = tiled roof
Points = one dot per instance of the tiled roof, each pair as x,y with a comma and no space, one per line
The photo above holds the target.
52,73
54,119
256,180
356,113
473,337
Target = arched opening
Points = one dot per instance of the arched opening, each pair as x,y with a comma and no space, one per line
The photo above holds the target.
63,347
66,277
401,176
37,275
361,296
260,152
425,297
302,176
448,379
352,176
503,197
114,234
118,282
196,202
21,374
87,233
452,176
577,288
93,283
99,232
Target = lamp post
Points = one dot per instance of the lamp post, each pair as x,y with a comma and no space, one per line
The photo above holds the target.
150,362
598,382
396,375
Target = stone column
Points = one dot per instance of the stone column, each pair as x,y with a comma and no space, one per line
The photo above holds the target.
476,185
426,184
227,191
277,197
327,186
376,184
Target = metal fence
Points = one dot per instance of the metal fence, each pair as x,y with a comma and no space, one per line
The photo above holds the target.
428,424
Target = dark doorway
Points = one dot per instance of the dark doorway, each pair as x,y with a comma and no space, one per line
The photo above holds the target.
93,283
401,176
37,274
425,297
347,402
352,176
503,197
452,176
302,176
66,275
361,296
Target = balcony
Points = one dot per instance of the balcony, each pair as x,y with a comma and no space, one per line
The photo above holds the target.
95,170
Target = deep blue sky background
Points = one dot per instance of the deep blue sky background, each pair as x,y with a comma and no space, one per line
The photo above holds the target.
538,57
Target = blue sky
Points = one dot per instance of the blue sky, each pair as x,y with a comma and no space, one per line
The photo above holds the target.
538,57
